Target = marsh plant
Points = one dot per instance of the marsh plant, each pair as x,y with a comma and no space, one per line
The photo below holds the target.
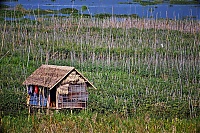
146,71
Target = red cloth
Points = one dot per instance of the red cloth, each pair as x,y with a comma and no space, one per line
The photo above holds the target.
36,89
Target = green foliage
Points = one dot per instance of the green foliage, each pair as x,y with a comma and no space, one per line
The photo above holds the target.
84,8
3,6
155,2
102,15
139,73
42,11
183,2
69,10
12,102
11,14
106,15
86,121
145,3
20,7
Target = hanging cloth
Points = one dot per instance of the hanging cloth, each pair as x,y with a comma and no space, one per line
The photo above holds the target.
36,89
30,89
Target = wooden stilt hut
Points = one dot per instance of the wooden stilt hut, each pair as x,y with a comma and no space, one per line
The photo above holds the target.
57,87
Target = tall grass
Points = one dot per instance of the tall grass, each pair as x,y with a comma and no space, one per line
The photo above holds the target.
95,122
141,68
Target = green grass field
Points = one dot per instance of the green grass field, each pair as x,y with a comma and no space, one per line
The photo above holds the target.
147,73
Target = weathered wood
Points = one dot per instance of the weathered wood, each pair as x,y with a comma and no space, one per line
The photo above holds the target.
48,98
59,87
57,99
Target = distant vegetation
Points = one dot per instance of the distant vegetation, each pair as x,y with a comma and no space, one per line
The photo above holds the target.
8,0
84,8
155,2
105,15
69,10
3,6
20,12
184,2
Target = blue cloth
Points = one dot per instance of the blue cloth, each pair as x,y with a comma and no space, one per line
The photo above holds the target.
43,101
33,100
30,89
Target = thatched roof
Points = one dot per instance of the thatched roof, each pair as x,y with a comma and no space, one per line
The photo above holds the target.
50,75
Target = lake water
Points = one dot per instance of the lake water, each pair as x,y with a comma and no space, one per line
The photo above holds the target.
164,10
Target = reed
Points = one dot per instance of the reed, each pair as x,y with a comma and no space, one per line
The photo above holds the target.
139,66
94,122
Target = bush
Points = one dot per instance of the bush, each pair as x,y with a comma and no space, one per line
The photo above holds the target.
12,102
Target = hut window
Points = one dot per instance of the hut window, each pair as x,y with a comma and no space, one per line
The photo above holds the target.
78,92
64,98
76,97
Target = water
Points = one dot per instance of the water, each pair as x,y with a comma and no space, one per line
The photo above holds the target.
164,10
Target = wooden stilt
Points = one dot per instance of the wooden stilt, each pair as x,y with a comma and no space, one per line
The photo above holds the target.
47,111
29,112
71,111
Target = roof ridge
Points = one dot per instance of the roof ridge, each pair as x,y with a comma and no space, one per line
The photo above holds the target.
58,67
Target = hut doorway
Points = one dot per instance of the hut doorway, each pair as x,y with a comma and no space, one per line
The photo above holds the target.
53,97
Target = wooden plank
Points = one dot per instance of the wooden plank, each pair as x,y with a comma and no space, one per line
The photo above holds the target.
57,96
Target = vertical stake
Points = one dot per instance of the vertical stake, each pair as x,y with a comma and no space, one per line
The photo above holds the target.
71,111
